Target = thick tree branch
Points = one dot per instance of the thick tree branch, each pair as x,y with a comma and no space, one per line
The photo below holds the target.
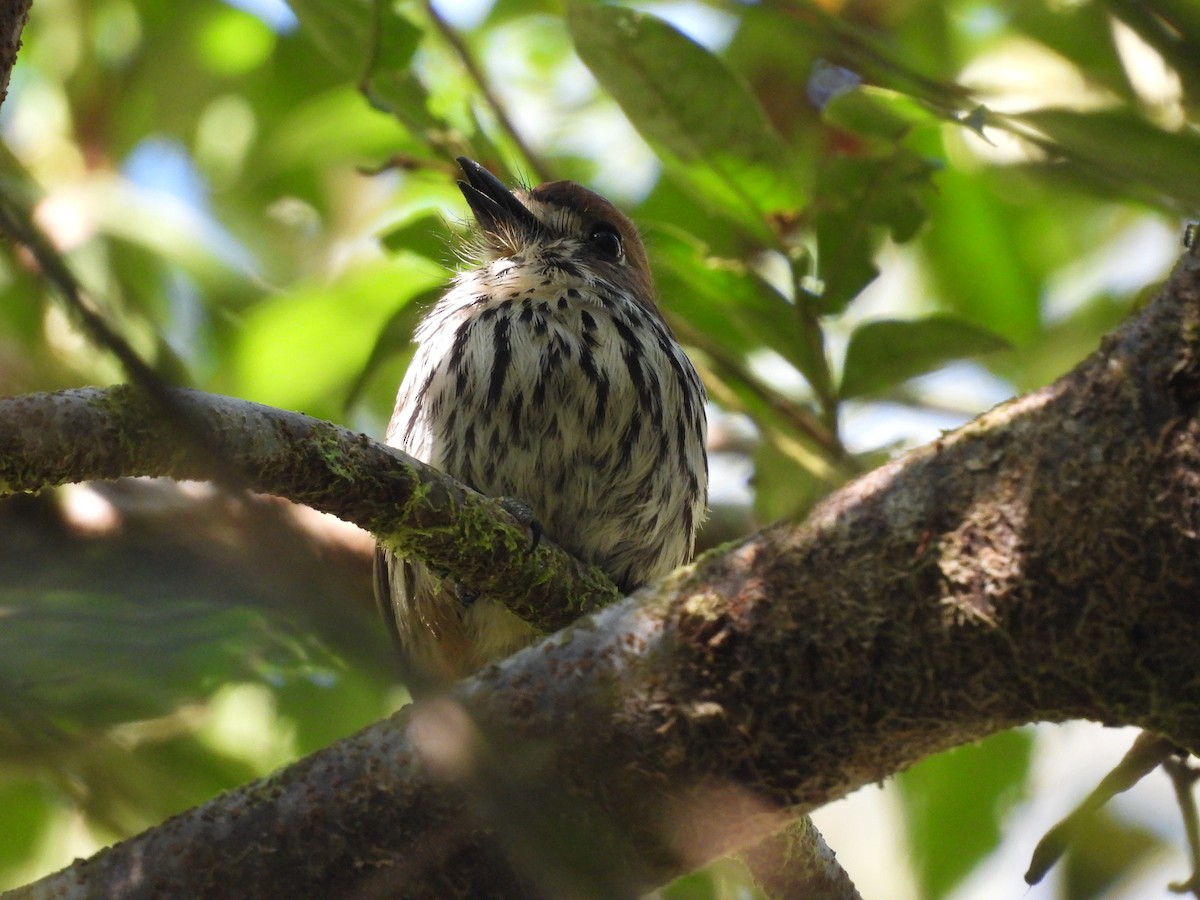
92,434
1039,564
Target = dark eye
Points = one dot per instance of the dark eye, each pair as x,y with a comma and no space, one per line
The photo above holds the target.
605,240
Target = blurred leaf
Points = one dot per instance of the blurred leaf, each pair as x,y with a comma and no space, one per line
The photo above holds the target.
725,879
1062,343
976,252
885,352
1182,15
127,789
370,41
1082,33
1120,147
424,236
27,813
302,350
71,661
731,305
776,54
876,112
389,80
860,201
504,11
705,125
954,804
1103,853
340,28
329,128
233,42
783,490
320,713
1171,28
394,339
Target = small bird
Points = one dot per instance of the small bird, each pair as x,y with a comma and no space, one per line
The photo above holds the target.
547,374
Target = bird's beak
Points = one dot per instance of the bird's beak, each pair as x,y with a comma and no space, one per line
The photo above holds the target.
495,208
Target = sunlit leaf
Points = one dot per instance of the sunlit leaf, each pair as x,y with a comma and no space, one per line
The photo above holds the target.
981,249
28,811
883,353
954,806
704,123
394,339
876,112
327,332
234,42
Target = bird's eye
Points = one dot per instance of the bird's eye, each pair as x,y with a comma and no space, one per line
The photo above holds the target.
606,241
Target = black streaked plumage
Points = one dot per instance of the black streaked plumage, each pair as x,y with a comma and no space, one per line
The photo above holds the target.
546,373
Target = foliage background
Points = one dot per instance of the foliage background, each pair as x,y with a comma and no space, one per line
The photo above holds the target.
264,194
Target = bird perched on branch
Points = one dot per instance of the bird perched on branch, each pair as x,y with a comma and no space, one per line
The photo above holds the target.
546,373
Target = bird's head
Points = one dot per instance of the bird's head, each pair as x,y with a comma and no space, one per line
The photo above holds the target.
579,224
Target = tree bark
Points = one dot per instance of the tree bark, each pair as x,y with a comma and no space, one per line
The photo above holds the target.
13,15
1039,564
94,433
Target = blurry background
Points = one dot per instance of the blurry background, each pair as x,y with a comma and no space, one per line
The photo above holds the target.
270,189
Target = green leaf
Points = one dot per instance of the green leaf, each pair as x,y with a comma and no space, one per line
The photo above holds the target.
370,41
28,811
783,488
885,352
394,339
233,42
327,328
954,804
984,252
389,79
860,201
732,306
1103,852
72,661
1117,147
701,119
876,112
424,235
1082,33
340,29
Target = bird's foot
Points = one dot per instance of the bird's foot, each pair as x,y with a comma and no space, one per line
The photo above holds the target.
523,513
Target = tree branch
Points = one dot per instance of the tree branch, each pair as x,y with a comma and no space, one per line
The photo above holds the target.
1038,564
93,434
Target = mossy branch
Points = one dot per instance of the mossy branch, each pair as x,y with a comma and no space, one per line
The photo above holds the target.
1039,564
93,433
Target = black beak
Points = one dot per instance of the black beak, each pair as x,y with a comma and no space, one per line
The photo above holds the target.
493,204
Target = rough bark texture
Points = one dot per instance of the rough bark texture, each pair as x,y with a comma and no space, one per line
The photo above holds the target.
13,14
1039,564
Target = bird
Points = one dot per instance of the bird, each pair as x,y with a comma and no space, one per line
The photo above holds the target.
546,374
